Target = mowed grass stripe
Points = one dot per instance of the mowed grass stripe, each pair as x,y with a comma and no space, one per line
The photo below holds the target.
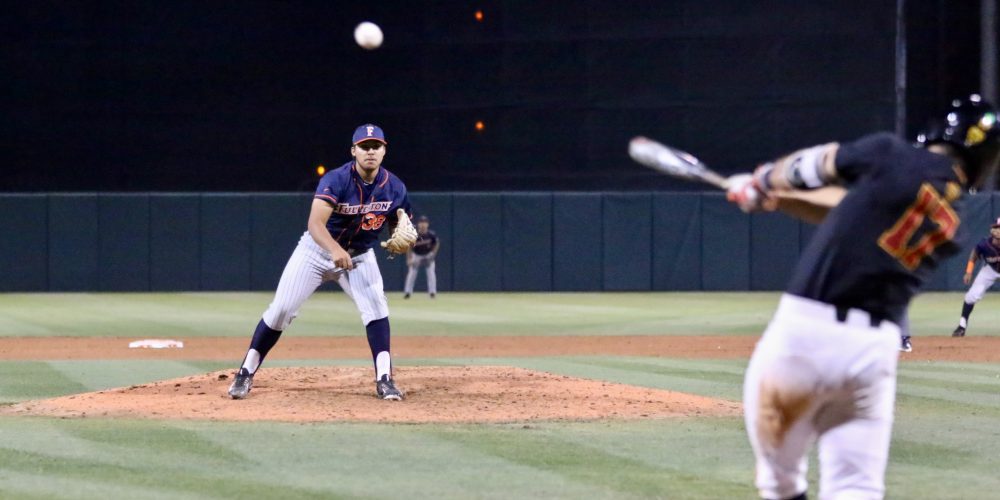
718,447
960,399
982,389
388,461
144,455
21,380
608,474
657,373
950,368
100,375
928,480
27,485
15,485
332,313
142,477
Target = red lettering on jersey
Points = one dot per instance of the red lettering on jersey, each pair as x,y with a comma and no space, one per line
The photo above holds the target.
372,222
928,205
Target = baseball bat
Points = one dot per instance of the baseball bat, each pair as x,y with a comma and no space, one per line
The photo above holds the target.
810,206
673,162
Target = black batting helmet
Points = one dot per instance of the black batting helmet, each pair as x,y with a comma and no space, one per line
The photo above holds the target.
970,125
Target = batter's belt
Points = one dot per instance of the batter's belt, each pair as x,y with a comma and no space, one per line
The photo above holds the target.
841,314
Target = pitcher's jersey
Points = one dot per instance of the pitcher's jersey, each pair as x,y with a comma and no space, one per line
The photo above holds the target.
898,220
361,210
989,253
425,243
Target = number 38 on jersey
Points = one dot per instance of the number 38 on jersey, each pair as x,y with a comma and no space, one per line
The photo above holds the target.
372,222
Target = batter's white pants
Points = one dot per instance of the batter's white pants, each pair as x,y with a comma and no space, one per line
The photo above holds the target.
984,280
309,267
411,273
814,377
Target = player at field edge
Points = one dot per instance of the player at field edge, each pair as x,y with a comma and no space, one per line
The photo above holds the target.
422,254
825,368
349,209
988,249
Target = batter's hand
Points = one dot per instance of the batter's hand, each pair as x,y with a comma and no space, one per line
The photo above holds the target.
342,259
746,194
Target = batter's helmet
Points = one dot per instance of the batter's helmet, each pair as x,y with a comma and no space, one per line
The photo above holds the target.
971,126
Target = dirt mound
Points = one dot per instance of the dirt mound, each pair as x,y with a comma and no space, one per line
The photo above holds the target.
433,394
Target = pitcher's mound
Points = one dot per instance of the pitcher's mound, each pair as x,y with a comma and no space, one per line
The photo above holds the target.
432,394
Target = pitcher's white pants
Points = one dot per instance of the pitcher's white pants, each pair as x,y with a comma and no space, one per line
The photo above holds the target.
814,377
309,267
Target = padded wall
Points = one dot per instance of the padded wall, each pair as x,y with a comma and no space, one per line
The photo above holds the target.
24,243
123,242
677,233
725,245
175,242
527,242
627,241
537,241
73,242
577,250
478,242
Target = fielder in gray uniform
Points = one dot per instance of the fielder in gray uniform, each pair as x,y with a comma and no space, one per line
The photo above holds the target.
422,255
351,206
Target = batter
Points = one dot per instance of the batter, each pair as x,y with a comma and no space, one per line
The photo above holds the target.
825,368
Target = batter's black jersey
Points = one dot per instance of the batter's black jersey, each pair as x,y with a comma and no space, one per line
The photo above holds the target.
898,220
425,243
989,253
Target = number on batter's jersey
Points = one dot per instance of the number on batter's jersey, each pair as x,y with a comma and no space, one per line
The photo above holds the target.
928,205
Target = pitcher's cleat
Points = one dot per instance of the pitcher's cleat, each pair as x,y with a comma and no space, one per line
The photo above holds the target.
959,332
241,385
386,389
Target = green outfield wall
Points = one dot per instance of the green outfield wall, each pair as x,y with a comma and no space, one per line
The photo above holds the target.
496,241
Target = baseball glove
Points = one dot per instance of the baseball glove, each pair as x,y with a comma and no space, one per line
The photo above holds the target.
403,236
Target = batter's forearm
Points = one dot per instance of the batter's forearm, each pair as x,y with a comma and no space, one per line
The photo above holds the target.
808,168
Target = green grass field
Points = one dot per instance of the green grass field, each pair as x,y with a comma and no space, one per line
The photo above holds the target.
945,440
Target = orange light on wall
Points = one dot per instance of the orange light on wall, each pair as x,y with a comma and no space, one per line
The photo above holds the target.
480,125
320,170
479,16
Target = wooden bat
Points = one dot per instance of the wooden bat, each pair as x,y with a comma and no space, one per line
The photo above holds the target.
810,206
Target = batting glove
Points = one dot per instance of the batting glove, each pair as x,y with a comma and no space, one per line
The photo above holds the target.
745,193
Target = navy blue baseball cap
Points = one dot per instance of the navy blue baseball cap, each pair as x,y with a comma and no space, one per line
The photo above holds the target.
369,132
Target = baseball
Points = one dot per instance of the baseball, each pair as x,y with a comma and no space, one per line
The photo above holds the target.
368,35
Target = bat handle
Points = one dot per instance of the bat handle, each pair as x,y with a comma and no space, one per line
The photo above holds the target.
717,180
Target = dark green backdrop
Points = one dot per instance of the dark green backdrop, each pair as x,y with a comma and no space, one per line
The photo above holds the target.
636,241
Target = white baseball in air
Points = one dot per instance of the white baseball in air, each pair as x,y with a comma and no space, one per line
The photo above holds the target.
368,35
